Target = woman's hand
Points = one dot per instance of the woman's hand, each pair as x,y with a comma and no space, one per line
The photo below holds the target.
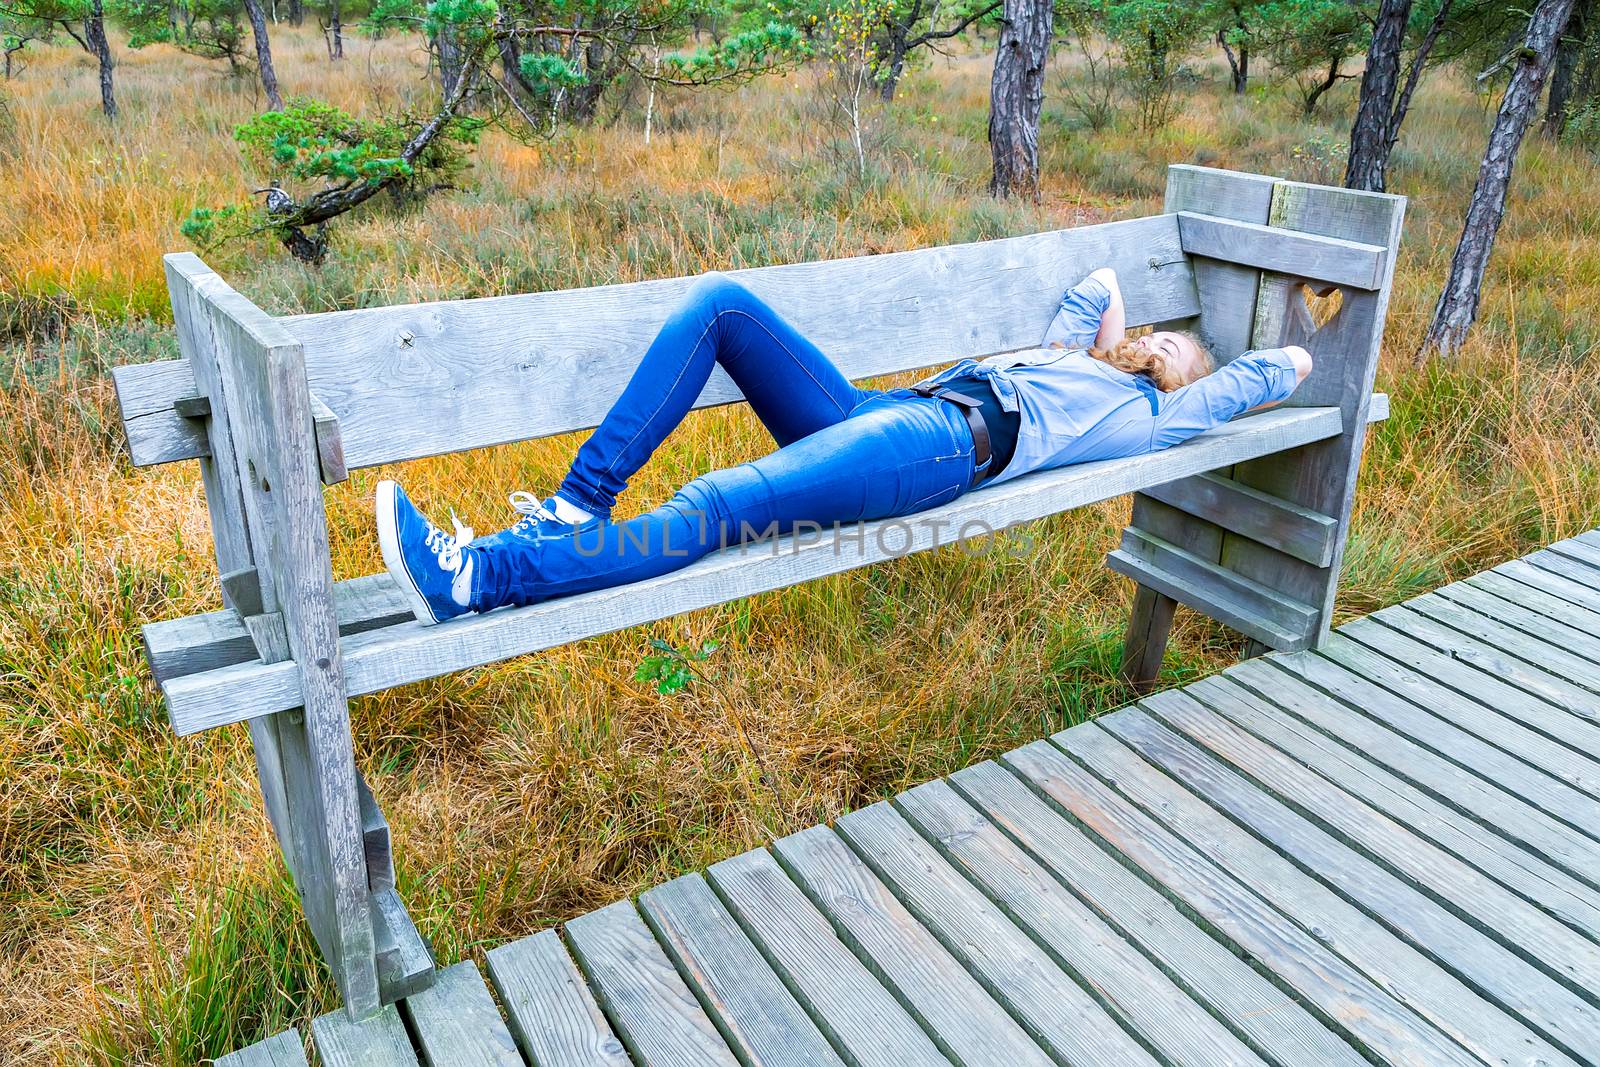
1114,323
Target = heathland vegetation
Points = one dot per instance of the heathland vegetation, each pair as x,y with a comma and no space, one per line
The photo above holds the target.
147,915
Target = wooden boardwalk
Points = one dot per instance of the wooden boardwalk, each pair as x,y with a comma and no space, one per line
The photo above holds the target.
1386,850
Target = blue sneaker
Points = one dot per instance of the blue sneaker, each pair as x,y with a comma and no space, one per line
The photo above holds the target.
540,520
432,568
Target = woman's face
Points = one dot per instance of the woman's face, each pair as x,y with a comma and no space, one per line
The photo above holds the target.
1180,353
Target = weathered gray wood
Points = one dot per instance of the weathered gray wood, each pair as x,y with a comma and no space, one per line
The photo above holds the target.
1249,607
1552,656
655,1014
1097,902
1428,980
280,1050
1308,255
1227,294
377,1041
1567,567
1569,615
550,1008
1552,796
1374,1015
1499,945
1518,869
748,1002
270,417
330,443
457,1023
204,642
1474,669
404,961
1497,810
1524,573
1149,627
1536,613
861,1018
1579,550
963,1019
1042,989
411,652
146,395
1520,724
472,364
1287,527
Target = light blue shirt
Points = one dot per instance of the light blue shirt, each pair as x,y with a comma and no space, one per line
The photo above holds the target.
1075,408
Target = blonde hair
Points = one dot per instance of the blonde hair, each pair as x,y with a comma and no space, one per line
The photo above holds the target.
1132,357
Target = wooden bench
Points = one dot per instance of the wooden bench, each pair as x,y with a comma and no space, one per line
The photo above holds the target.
1246,523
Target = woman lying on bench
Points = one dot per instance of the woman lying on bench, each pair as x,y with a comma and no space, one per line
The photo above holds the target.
845,454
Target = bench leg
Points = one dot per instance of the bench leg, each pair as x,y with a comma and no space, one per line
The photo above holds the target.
1146,643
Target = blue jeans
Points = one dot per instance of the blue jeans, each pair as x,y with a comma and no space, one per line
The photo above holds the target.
845,455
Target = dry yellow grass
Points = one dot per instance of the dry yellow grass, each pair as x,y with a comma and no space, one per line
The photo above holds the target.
148,917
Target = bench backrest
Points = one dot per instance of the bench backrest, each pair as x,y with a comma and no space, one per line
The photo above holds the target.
417,380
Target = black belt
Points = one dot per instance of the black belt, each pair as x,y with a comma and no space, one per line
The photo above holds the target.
982,451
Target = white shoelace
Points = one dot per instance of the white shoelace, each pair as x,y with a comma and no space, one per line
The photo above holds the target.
531,507
447,547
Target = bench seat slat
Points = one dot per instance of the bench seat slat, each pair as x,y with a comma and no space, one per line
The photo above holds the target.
409,652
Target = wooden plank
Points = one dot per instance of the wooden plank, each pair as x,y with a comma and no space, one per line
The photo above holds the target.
1474,669
748,1002
1249,607
1373,1013
550,1008
330,443
1336,672
1045,989
1579,550
1565,566
1420,977
1530,617
270,419
1550,655
862,1019
457,1023
1524,573
405,962
377,1041
1494,808
1569,615
962,1018
657,1017
1512,866
1322,476
196,643
280,1050
1303,255
1497,944
1484,717
1280,524
1149,627
1227,291
1090,911
146,395
473,364
411,652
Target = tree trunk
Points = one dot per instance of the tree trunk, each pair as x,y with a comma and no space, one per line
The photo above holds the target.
1457,309
1328,82
94,33
269,77
335,30
297,12
1419,62
1238,62
1563,71
1016,96
1369,137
